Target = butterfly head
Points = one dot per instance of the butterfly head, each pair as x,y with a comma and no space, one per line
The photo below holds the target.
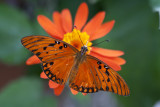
84,49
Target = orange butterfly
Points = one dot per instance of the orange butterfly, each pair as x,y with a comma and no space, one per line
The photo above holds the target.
61,61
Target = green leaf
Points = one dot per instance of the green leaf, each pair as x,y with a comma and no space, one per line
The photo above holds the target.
25,92
14,25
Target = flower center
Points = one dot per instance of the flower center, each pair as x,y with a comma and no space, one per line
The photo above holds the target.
78,39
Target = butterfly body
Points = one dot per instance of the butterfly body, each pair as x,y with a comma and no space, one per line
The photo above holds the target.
62,62
79,59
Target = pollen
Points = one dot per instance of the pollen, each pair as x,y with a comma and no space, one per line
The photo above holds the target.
78,39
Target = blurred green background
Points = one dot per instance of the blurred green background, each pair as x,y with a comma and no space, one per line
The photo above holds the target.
135,32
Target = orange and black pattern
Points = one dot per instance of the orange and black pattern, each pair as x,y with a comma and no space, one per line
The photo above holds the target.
95,75
59,58
47,49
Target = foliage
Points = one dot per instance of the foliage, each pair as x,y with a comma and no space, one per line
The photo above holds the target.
135,32
25,92
14,25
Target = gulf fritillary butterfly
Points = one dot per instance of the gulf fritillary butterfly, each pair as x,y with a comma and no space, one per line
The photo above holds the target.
61,61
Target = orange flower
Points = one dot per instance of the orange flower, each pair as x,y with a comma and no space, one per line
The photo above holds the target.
62,28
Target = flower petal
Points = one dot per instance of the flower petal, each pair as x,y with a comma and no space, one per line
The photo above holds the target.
43,75
58,21
66,20
53,84
103,30
109,62
107,52
118,60
58,90
33,60
81,16
84,94
49,27
94,23
74,92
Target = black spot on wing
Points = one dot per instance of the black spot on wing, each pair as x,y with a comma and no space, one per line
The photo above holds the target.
44,48
65,46
107,88
51,44
108,80
98,62
57,42
51,63
106,67
107,72
60,47
99,67
38,53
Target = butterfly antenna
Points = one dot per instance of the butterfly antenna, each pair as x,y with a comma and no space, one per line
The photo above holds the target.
80,39
79,35
101,42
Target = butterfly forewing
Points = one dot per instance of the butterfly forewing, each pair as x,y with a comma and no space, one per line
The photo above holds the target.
57,56
47,48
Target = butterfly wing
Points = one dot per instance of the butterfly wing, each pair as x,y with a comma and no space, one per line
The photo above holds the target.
83,80
57,56
94,75
47,48
59,70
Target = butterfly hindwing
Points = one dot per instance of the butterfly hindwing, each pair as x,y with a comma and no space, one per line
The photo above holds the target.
98,76
110,79
59,70
83,80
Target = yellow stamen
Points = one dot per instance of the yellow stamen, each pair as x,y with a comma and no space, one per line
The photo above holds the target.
75,38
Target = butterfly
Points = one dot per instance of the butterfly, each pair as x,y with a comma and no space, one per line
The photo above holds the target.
62,62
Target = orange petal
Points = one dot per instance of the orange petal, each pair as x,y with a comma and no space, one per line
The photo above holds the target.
58,90
43,75
58,21
66,20
109,62
53,84
107,52
103,30
74,92
49,27
118,60
81,16
94,23
84,94
33,60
